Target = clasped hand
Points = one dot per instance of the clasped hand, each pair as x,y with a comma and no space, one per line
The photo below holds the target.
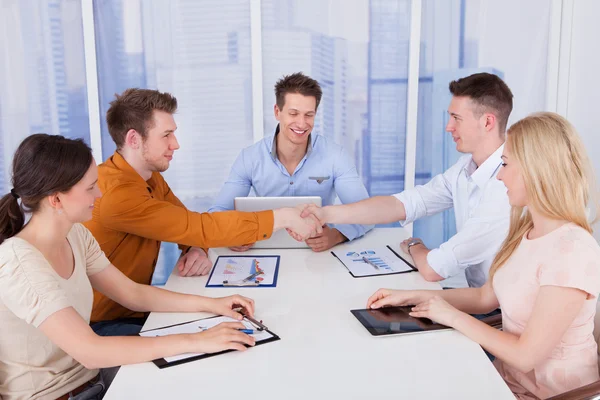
303,225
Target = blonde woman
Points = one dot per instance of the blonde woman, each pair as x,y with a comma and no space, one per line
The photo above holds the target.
546,276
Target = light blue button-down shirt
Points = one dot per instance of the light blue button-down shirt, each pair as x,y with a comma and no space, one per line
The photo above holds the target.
482,213
325,171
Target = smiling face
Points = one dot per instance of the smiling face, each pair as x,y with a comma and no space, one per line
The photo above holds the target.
297,117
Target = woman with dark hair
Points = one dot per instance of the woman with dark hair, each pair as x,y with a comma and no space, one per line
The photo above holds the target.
48,268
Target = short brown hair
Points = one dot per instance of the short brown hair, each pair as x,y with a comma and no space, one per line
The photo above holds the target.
297,83
489,93
133,109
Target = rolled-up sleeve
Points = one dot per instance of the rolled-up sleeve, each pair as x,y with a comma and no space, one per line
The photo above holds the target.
431,198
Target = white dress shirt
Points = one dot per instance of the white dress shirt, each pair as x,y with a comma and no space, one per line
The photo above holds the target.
482,213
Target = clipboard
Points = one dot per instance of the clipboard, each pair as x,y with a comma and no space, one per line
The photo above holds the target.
380,261
196,326
244,271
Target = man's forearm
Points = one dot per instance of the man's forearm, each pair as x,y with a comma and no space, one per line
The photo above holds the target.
419,256
375,210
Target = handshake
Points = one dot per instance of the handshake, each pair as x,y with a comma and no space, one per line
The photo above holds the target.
302,222
305,223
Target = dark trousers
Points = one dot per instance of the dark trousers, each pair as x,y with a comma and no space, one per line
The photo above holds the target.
119,327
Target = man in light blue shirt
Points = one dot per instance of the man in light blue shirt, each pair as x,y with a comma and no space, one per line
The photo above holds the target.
479,111
294,162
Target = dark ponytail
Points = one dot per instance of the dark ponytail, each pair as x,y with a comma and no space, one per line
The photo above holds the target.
12,217
42,165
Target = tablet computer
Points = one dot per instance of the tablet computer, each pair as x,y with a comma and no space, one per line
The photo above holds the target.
394,321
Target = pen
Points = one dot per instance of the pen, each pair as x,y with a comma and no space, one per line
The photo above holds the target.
371,263
254,322
252,276
247,331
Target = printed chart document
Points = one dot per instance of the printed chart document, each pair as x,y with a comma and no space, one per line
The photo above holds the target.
373,261
244,271
261,336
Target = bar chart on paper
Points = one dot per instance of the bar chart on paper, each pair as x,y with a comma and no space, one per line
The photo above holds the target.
244,271
370,257
373,261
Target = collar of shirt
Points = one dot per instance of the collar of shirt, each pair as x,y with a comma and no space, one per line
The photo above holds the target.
482,174
126,169
273,145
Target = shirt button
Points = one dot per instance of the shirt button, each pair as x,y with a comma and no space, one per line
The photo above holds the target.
292,182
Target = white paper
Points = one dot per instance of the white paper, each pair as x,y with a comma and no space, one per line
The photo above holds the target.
385,260
236,269
199,326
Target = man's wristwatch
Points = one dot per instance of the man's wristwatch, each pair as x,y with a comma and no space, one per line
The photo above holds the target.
413,242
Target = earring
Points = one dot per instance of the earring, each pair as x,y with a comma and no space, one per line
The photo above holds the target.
60,212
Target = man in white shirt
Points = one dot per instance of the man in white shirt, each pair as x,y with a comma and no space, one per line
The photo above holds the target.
479,111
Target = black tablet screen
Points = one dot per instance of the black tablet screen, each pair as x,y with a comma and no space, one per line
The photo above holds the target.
394,320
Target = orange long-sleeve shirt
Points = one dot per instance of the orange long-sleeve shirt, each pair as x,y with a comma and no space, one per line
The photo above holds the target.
133,216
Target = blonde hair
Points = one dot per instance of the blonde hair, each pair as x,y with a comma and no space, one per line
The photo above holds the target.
557,175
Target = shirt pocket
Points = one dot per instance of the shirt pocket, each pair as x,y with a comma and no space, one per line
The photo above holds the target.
319,179
319,185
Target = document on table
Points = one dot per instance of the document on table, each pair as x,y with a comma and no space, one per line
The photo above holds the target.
244,271
373,261
261,336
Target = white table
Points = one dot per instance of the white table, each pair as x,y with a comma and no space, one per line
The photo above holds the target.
324,352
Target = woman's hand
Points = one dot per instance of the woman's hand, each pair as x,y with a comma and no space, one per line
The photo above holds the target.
437,310
389,297
226,305
225,336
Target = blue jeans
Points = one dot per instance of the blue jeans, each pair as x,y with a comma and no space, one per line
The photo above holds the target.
119,327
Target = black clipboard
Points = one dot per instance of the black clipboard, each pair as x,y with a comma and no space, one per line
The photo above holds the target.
413,269
162,363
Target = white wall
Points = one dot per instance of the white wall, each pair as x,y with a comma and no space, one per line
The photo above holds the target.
515,43
583,73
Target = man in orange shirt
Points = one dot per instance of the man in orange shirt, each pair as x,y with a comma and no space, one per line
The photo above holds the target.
138,210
